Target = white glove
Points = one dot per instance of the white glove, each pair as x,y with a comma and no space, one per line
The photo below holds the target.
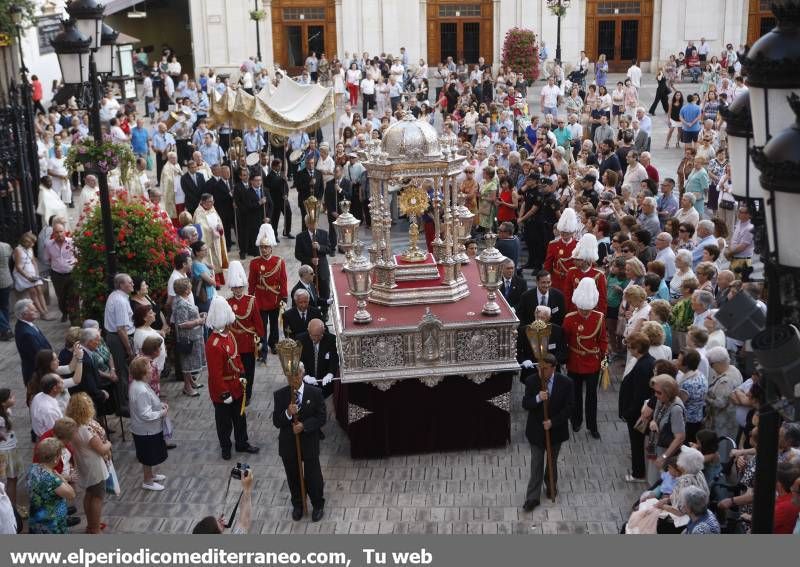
327,379
229,400
527,364
310,380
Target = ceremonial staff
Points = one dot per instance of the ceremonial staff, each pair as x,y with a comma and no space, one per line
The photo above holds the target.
312,206
289,352
538,334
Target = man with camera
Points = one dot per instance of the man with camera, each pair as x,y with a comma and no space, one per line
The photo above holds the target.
212,525
299,409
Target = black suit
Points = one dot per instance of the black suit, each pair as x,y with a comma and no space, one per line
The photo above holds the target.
331,198
313,416
633,392
278,189
314,296
556,346
560,410
193,187
326,360
308,183
222,191
294,325
30,340
530,300
91,383
251,216
516,287
304,252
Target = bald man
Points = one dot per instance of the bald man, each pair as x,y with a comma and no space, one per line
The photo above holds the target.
319,356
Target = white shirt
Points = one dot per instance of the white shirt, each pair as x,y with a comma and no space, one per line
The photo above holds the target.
326,167
635,75
45,410
345,121
175,276
8,521
667,257
550,95
367,87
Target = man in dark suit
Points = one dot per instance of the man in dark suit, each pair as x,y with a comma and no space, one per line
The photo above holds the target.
508,244
512,286
306,282
556,345
193,184
221,189
336,189
296,319
304,416
254,205
320,356
90,378
278,189
542,294
558,393
308,182
29,338
311,247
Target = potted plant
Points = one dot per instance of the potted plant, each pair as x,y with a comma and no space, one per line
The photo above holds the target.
257,15
145,244
521,53
88,156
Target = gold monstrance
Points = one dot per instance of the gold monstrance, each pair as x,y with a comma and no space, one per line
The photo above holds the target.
413,202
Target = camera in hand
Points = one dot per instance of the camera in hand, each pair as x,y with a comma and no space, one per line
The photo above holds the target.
240,471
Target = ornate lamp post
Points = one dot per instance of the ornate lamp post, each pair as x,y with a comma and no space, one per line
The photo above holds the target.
80,50
770,68
256,14
558,8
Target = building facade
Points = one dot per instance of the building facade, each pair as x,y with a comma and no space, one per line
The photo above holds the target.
223,33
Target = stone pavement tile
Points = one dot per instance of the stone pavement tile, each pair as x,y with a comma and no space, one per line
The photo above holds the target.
386,528
139,525
550,528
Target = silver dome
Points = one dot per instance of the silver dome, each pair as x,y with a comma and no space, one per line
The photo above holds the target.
409,139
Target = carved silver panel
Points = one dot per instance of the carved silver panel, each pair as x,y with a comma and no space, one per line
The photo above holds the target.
431,381
503,401
477,344
382,351
356,413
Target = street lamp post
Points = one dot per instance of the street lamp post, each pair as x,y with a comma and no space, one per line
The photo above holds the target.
770,68
77,48
258,33
559,9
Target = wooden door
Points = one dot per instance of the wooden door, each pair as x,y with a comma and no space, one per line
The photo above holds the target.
460,40
760,20
300,27
461,29
621,29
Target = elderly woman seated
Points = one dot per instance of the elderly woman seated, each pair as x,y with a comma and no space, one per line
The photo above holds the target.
703,521
664,509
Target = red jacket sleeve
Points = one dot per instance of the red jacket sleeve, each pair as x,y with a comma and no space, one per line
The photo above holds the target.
215,361
256,321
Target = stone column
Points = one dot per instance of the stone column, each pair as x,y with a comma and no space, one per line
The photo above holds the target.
267,48
423,35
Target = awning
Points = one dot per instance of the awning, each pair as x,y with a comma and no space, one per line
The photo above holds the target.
114,6
284,111
125,39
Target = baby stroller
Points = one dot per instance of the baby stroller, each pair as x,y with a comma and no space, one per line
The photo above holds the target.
578,77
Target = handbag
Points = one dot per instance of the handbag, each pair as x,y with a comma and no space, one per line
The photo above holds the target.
200,291
183,346
112,481
149,161
727,205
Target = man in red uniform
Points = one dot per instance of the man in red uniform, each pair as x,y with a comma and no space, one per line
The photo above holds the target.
558,259
585,334
225,381
584,257
248,328
267,281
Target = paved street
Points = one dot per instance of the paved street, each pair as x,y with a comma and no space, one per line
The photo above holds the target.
464,492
